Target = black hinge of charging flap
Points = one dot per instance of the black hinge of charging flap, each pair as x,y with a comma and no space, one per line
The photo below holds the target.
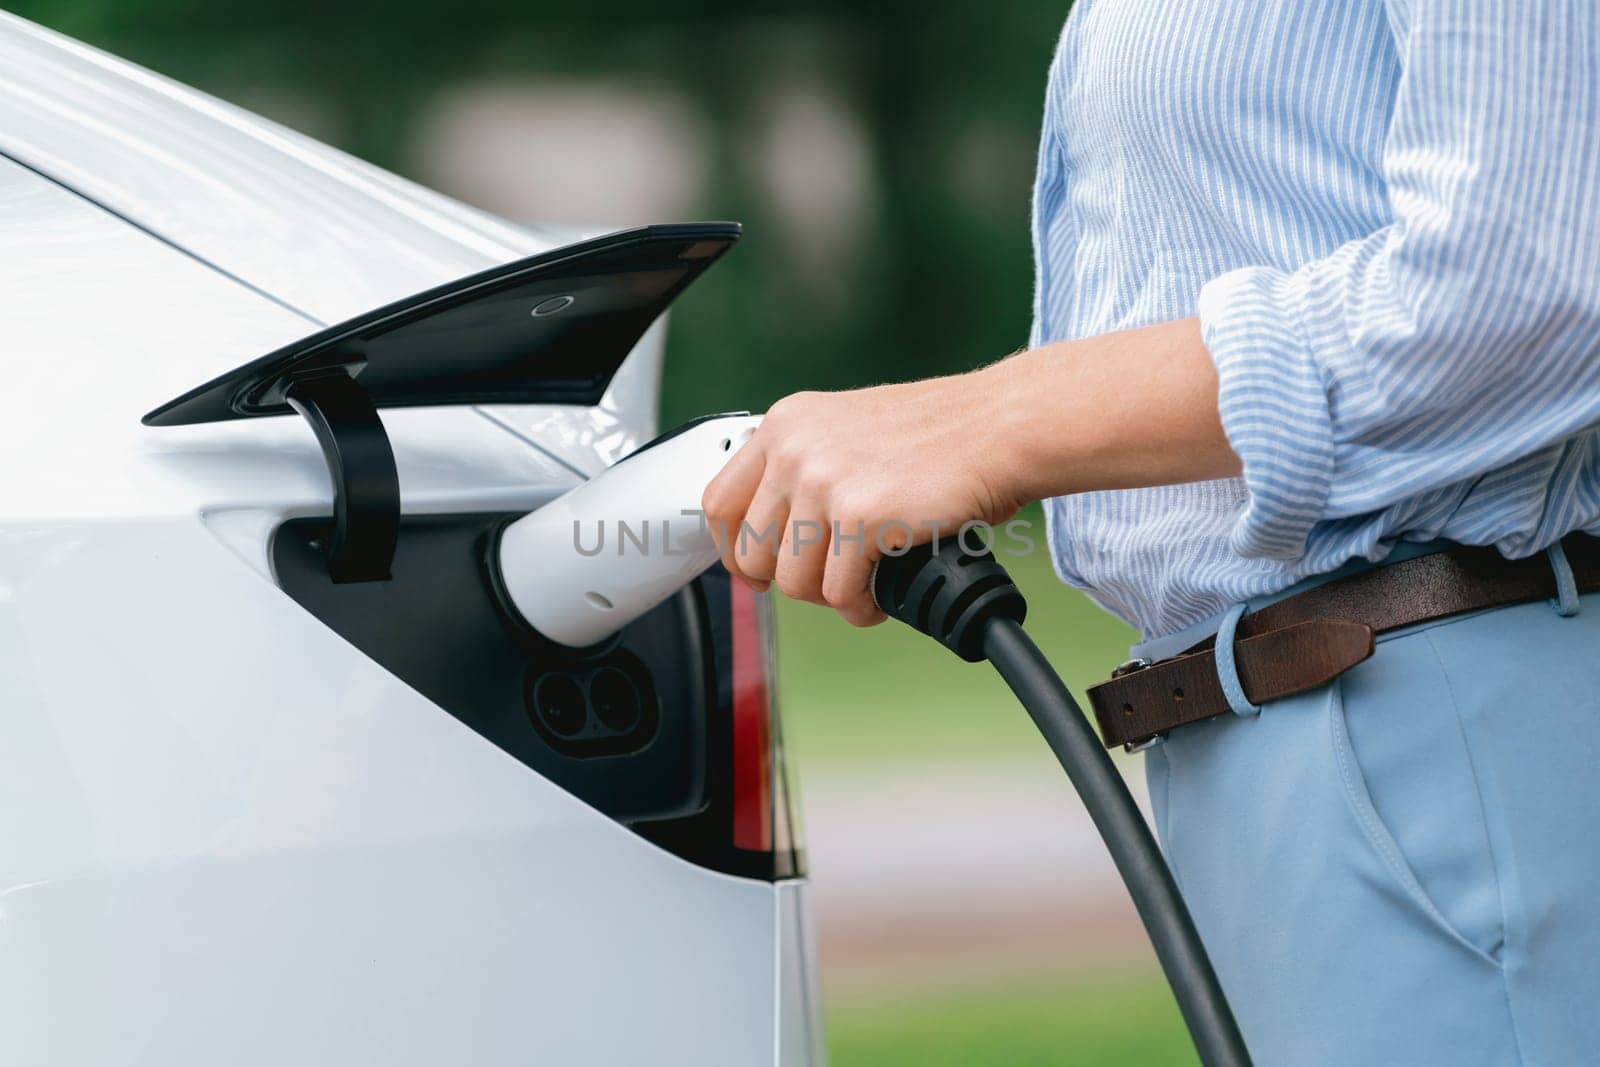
366,486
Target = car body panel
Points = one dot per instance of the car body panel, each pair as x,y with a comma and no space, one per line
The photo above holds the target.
319,231
799,1018
322,234
102,323
227,838
225,835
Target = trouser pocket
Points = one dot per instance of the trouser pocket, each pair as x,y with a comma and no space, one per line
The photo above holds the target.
1401,749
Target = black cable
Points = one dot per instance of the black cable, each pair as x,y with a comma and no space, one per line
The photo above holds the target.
963,598
1133,848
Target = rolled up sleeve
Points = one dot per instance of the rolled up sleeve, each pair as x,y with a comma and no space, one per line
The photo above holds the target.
1464,334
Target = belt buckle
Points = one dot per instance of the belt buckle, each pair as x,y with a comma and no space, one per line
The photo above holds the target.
1124,669
1128,666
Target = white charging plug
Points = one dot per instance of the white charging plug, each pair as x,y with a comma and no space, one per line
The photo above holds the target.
596,558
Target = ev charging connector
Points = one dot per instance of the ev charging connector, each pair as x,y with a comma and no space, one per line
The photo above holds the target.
601,555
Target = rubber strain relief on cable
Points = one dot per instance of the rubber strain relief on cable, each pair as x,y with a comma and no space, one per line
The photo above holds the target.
950,593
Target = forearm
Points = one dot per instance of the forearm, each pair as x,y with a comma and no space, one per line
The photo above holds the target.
1122,410
873,467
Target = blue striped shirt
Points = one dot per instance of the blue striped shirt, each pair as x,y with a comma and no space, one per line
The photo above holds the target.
1385,215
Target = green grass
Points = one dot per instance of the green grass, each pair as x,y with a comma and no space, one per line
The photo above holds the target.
1016,1021
852,695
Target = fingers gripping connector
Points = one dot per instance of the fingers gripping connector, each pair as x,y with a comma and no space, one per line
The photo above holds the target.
949,593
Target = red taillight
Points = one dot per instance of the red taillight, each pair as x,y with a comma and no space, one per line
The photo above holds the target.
752,734
747,825
763,820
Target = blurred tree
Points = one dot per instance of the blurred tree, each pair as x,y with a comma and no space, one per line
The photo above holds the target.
935,274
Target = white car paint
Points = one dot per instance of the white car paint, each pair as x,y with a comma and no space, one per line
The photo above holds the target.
225,835
316,231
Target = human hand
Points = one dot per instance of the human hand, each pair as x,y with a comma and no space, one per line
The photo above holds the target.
831,482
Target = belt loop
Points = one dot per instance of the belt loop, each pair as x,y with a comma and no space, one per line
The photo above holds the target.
1566,604
1227,672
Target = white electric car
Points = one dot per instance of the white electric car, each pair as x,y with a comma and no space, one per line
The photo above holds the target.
280,780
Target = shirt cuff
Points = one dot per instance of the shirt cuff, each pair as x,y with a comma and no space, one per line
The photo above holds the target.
1274,406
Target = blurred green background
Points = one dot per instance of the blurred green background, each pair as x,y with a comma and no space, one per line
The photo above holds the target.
880,155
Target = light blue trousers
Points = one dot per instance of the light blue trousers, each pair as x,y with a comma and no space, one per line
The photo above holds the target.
1403,867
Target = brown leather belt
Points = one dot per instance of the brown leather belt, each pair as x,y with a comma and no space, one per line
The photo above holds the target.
1309,639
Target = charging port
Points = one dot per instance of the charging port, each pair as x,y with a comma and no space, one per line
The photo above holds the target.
623,725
